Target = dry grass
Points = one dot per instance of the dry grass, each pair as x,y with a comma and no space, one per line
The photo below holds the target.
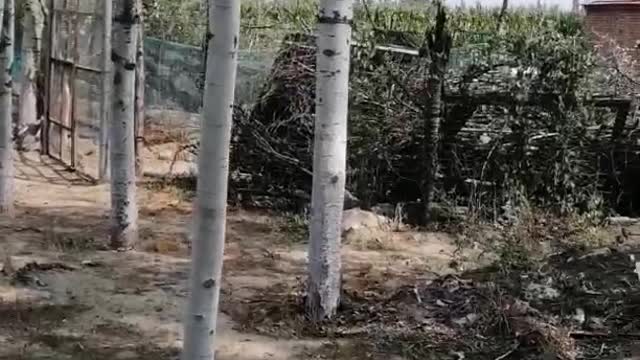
59,237
182,186
291,228
380,239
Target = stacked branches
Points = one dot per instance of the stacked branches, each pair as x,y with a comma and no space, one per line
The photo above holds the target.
521,123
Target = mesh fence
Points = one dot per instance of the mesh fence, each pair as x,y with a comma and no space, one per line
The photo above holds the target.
175,74
75,83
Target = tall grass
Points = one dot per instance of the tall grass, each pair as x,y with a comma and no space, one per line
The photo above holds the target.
265,23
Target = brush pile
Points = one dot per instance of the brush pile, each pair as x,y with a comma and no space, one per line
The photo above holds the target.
518,128
573,305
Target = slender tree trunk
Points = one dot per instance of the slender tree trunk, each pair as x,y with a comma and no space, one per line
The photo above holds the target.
433,119
329,157
437,48
105,101
6,146
503,10
213,172
27,111
66,102
3,8
124,210
140,83
32,25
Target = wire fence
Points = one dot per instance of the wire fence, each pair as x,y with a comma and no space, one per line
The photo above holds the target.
175,74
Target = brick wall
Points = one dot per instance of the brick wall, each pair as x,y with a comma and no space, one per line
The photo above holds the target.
620,23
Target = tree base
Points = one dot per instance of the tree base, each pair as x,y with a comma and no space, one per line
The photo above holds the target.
7,211
124,239
322,305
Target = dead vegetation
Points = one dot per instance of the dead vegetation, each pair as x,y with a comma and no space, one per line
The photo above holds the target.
37,328
480,314
531,286
576,302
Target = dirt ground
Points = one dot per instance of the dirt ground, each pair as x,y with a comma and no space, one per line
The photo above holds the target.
407,294
64,295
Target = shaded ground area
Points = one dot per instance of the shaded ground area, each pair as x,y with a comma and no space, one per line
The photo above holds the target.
575,305
64,295
408,294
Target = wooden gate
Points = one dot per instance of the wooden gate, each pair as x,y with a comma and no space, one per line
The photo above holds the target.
75,131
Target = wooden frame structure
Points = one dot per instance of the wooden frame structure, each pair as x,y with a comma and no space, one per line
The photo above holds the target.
68,56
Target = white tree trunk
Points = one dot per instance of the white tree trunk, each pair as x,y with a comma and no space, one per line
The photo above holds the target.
27,110
105,101
329,156
32,25
66,102
6,146
213,170
2,10
124,210
140,88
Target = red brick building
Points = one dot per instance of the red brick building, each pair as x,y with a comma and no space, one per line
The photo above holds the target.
617,20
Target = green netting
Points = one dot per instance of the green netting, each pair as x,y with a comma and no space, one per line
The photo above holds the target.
175,74
17,60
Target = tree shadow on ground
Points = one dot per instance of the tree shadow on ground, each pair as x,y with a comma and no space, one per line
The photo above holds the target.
574,305
37,328
46,170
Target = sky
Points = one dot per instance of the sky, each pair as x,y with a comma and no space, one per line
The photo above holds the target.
563,4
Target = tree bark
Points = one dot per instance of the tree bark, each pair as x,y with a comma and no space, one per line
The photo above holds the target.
124,210
105,101
7,186
27,104
140,83
437,49
213,171
329,157
3,9
503,10
432,123
32,25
